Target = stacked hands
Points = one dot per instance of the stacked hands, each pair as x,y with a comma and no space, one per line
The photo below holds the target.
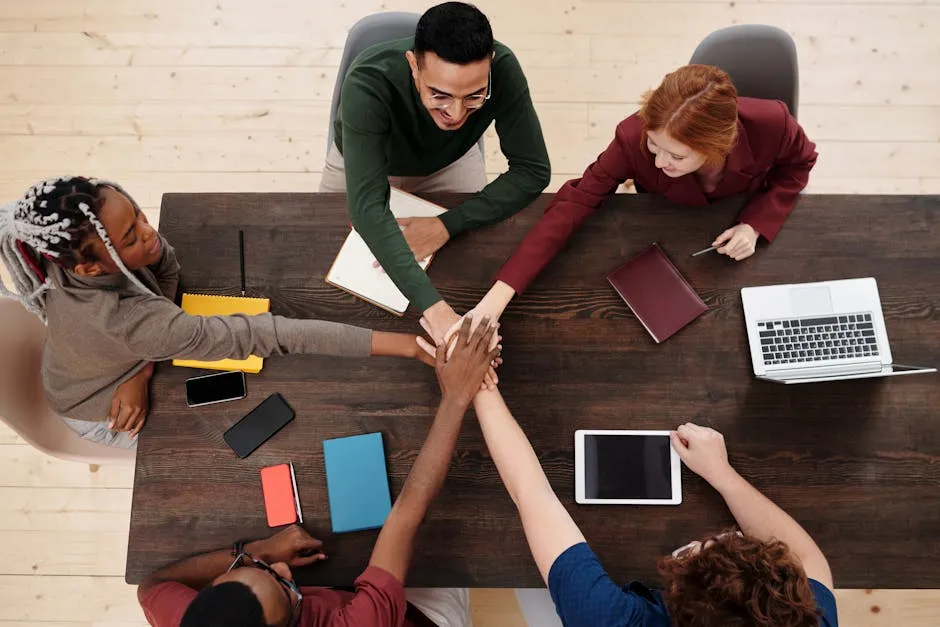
466,361
463,333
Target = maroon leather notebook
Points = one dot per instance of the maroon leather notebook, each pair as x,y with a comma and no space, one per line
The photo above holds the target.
657,293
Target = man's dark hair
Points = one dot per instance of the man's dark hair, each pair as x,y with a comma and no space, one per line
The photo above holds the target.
230,604
457,32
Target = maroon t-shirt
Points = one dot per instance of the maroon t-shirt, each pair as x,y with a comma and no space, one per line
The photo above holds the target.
378,601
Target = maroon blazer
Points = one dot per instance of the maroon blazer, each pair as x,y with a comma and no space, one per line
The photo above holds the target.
771,161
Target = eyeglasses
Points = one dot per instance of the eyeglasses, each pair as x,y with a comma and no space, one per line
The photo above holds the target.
442,102
696,545
289,587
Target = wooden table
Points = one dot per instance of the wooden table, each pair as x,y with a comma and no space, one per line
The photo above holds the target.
857,462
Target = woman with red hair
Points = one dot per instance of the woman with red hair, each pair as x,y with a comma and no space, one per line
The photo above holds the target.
694,141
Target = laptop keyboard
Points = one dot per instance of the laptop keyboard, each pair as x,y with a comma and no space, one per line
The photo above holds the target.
802,340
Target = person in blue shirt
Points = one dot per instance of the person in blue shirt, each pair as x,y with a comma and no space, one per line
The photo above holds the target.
768,574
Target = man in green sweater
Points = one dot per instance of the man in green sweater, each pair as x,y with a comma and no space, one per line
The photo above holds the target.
411,113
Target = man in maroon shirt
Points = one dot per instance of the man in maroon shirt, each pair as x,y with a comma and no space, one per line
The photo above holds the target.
251,584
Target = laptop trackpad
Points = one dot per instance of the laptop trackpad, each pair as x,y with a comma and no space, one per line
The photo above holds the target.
810,301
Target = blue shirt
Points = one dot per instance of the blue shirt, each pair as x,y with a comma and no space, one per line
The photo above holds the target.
585,595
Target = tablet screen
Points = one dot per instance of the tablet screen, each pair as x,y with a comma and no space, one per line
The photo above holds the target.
627,467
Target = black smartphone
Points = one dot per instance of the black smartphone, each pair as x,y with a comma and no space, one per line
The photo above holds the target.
216,388
259,425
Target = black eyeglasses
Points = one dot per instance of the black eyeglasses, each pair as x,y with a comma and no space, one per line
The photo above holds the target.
289,587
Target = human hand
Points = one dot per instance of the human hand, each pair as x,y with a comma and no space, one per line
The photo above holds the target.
477,314
703,450
491,379
425,236
739,242
493,304
437,320
131,403
461,376
292,546
424,352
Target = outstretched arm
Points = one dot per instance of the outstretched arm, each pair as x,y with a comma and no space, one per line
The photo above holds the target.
459,379
548,526
703,451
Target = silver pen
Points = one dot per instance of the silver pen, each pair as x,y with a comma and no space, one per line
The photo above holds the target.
704,250
293,480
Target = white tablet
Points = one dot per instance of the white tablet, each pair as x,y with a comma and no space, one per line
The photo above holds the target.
626,468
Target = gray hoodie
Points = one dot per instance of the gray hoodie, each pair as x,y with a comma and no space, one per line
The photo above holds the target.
102,331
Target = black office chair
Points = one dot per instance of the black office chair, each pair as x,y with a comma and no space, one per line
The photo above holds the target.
761,61
367,32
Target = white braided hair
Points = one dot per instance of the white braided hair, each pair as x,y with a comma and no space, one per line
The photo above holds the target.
22,221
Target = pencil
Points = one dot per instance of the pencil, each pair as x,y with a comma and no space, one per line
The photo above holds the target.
293,479
241,257
704,250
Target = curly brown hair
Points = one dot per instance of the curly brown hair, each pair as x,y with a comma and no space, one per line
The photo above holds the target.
738,581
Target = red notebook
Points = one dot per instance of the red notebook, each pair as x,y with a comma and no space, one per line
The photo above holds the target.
280,495
657,293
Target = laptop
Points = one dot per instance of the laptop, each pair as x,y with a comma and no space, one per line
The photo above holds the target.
827,331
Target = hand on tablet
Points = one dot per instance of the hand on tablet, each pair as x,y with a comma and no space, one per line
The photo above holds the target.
703,450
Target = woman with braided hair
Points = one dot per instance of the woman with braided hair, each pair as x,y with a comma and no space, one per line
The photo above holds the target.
85,259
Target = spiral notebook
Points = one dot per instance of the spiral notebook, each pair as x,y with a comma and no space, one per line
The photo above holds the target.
353,269
207,305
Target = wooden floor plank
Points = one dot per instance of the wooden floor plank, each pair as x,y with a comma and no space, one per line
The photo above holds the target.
24,466
67,511
56,553
7,435
96,600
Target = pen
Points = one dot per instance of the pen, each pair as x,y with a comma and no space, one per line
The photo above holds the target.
241,257
704,250
293,480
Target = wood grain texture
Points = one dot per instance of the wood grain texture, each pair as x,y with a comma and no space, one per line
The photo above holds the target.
855,462
24,466
95,601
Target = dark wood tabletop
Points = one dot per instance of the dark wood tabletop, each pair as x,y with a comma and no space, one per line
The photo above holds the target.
856,462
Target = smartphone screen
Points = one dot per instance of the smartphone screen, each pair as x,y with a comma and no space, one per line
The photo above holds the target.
215,388
259,425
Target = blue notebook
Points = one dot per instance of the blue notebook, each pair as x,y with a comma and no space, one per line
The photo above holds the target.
357,482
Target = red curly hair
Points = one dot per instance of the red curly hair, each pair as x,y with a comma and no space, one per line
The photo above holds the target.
696,105
738,581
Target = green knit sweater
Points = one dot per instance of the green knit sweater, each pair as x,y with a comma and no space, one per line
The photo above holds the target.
383,129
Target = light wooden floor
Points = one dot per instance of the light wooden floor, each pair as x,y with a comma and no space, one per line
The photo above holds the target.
232,95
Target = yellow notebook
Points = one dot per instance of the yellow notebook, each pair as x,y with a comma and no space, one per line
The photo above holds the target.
205,305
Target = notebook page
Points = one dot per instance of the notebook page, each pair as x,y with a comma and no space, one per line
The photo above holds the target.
353,269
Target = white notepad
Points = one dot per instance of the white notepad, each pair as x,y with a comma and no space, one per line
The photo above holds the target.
353,269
